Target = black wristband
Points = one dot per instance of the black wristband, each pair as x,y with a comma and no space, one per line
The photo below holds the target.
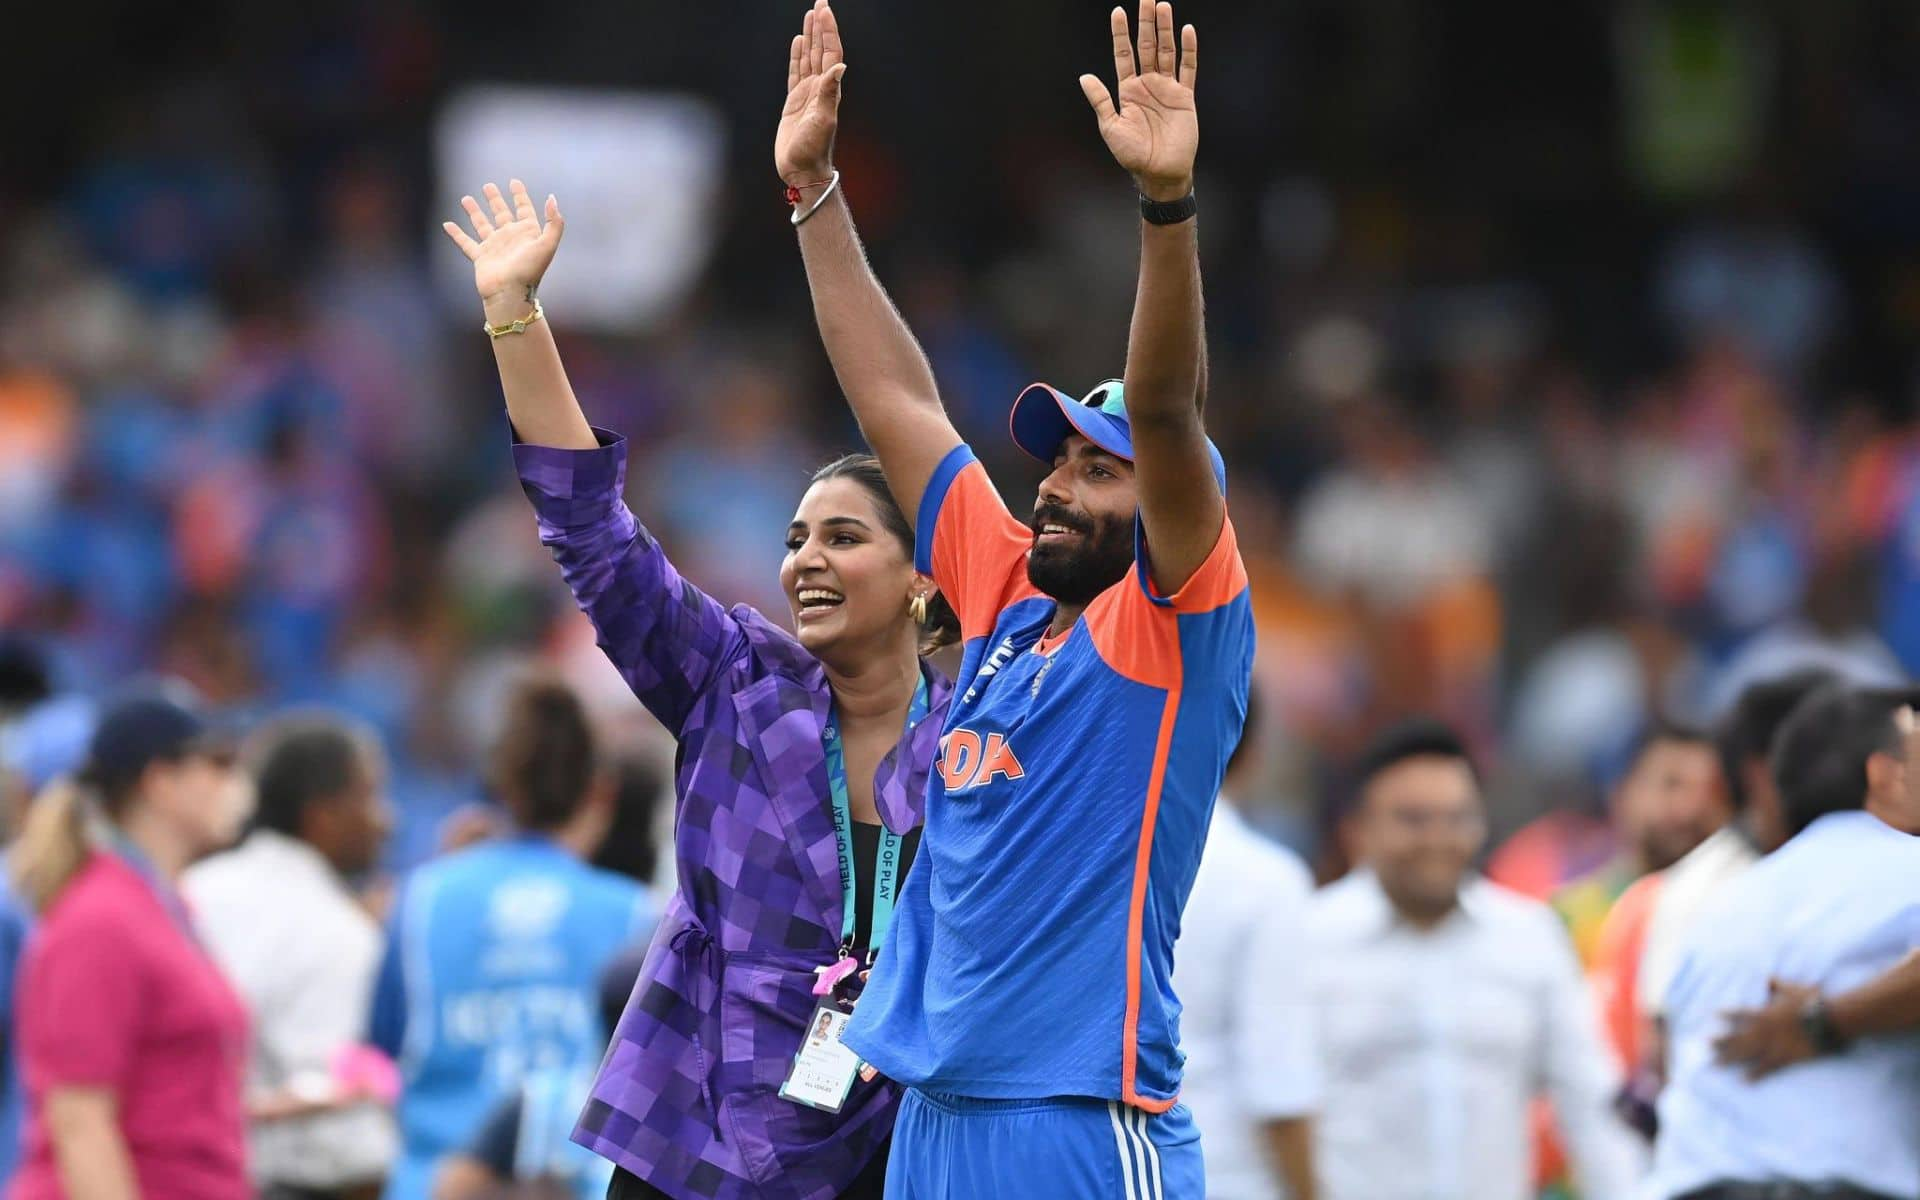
1156,212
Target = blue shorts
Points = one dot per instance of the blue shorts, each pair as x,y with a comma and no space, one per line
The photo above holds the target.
956,1148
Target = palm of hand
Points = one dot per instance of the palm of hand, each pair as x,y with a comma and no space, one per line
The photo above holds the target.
1156,132
804,140
512,258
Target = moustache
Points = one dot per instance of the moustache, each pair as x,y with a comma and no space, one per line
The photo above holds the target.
1053,514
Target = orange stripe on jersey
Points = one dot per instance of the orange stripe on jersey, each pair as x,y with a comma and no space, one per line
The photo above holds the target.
979,552
1137,911
1220,578
1138,633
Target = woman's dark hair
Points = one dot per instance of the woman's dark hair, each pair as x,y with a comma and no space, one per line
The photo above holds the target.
543,764
942,627
629,847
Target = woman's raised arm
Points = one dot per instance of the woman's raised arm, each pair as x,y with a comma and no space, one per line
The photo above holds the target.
667,638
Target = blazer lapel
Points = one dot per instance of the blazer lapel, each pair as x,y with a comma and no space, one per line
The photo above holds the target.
780,725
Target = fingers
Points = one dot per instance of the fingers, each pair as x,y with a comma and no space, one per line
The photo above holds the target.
830,51
1149,52
796,60
481,226
556,224
814,49
467,245
1122,44
1163,36
522,203
1189,54
502,215
1098,96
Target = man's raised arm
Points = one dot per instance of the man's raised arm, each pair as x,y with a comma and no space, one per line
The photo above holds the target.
1155,134
880,367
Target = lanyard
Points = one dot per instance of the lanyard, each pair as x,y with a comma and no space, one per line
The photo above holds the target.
886,866
123,848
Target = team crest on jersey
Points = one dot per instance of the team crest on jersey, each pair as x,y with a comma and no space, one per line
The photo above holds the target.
969,760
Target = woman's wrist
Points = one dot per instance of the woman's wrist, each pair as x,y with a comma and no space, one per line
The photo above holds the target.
508,305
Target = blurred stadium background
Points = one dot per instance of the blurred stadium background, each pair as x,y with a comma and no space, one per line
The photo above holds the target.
1565,359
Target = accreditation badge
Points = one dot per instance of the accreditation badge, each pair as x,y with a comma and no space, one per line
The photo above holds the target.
824,1070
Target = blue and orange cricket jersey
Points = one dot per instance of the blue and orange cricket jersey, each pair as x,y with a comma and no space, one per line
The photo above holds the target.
1032,951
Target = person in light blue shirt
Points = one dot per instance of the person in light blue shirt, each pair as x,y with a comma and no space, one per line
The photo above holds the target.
13,939
494,953
1835,906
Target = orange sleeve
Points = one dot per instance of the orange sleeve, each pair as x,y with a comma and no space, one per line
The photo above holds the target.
975,550
1221,578
1616,967
1136,629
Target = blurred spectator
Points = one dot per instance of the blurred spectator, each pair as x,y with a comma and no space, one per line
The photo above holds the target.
133,1044
1670,801
1252,1075
279,916
526,1146
1688,887
1390,525
1443,1003
1834,906
42,743
1392,534
13,1101
493,953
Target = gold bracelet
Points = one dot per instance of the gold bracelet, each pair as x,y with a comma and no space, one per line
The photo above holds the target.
518,325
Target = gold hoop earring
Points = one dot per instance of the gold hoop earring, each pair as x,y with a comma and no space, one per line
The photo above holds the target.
917,609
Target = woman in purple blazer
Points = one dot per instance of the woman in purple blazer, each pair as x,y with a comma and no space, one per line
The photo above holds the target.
800,778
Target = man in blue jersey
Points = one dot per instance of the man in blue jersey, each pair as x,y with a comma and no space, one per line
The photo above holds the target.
1023,994
494,952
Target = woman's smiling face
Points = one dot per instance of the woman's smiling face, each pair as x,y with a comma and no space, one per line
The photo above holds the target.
847,579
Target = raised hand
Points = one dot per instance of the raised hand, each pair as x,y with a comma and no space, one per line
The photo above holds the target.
513,250
1155,131
803,145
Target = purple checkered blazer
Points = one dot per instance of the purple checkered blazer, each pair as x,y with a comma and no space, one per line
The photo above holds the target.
685,1098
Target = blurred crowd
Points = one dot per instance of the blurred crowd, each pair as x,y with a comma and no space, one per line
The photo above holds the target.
1554,407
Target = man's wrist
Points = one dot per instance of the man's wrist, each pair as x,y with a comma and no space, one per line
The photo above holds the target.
1165,191
1817,1025
809,179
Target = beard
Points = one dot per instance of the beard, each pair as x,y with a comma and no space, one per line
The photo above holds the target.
1098,559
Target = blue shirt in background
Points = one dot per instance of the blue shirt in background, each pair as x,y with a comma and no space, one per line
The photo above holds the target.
493,960
13,939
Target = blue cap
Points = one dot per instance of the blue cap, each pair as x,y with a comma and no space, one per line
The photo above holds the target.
1043,417
148,726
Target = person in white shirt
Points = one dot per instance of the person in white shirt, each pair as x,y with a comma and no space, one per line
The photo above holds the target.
278,915
1252,1077
1835,907
1691,885
1444,1004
